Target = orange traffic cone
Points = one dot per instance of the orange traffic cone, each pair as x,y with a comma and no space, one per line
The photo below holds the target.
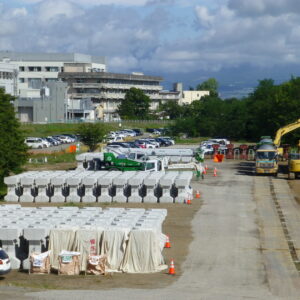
197,194
204,171
215,172
189,201
206,167
167,244
172,268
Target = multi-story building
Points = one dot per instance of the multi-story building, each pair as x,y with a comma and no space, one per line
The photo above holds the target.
8,77
36,69
106,91
181,96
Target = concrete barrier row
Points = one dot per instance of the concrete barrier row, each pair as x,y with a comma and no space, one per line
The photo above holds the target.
24,230
99,186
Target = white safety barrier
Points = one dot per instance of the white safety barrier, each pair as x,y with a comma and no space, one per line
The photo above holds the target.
98,186
182,183
167,185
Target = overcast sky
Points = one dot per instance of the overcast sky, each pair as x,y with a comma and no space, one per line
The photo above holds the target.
236,41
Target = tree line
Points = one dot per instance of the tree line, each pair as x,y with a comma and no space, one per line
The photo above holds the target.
269,107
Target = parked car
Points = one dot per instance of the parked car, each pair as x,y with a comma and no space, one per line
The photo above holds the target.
138,132
130,132
4,262
52,141
147,144
163,142
115,139
169,139
122,145
35,143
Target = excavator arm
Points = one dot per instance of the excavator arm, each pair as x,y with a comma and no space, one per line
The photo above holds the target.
284,130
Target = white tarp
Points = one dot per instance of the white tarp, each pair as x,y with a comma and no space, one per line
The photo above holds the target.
60,239
114,246
87,242
143,253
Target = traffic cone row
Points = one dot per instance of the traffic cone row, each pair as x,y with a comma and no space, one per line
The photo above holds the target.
172,267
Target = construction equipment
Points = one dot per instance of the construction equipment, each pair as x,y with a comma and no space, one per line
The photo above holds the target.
294,166
122,163
281,132
266,161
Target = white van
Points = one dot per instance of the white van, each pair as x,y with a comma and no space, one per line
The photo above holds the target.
35,143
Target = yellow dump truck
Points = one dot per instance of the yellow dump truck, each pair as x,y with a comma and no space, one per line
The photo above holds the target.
294,166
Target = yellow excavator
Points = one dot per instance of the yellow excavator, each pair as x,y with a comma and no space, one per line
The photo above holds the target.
294,158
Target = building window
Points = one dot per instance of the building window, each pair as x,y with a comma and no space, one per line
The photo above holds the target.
34,83
21,69
34,69
21,80
52,69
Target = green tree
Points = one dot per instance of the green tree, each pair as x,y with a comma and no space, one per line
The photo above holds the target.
13,150
211,84
171,109
91,134
135,106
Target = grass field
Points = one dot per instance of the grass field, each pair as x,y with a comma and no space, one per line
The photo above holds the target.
41,130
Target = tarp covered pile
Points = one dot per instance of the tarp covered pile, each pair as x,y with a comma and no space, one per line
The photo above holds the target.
132,243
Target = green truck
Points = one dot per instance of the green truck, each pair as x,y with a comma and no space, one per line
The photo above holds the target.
122,163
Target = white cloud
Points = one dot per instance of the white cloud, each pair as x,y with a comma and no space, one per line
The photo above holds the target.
20,12
51,9
205,19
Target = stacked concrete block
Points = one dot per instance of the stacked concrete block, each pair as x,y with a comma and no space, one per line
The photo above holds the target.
136,184
182,183
122,187
101,186
151,185
167,186
26,230
14,190
106,186
75,186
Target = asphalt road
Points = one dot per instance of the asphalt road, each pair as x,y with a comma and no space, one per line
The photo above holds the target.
240,248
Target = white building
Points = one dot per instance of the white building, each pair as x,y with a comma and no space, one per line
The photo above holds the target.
35,69
181,96
8,77
189,96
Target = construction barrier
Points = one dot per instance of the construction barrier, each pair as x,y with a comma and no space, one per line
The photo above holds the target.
99,186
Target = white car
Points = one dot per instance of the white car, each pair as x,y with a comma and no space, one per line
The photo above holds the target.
130,132
4,262
35,143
